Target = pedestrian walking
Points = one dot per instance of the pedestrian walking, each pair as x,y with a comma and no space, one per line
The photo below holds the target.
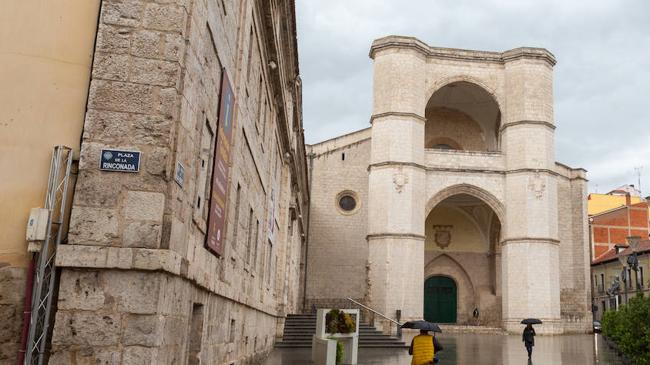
424,349
529,339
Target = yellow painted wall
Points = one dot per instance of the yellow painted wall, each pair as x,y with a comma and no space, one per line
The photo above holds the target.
46,49
614,268
465,235
599,203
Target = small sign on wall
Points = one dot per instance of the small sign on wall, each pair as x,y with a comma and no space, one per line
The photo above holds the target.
120,161
180,174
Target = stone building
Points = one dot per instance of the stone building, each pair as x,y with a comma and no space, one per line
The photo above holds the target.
196,256
452,200
610,287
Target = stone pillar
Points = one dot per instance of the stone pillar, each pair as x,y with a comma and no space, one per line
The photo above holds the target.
396,182
530,245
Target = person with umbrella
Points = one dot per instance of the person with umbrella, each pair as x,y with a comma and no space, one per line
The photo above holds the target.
424,347
528,337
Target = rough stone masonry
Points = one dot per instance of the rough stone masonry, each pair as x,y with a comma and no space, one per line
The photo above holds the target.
138,284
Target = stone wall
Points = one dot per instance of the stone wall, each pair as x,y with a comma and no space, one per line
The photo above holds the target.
445,123
338,251
138,284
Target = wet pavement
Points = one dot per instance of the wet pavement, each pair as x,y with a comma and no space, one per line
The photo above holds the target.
481,349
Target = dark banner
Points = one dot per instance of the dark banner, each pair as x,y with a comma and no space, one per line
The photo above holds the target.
215,238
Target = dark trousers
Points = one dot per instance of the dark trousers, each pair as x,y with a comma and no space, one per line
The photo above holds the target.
529,348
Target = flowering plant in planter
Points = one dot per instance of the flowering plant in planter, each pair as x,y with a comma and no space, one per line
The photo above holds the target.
337,321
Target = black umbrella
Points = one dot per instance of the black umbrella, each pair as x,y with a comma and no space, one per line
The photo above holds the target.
531,321
422,325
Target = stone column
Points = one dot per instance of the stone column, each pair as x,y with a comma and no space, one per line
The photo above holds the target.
396,201
530,245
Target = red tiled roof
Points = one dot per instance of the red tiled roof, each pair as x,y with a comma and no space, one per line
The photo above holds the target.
643,247
607,256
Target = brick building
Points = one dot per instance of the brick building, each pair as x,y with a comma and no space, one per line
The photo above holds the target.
452,200
612,227
196,256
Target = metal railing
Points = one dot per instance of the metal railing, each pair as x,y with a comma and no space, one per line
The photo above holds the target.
390,320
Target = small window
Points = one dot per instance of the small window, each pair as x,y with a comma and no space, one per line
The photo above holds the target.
347,202
443,146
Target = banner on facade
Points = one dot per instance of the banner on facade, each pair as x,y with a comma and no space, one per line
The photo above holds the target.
215,237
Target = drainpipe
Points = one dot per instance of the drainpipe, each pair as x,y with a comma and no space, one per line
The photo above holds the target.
304,284
27,312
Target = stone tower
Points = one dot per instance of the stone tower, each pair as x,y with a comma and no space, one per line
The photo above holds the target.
430,105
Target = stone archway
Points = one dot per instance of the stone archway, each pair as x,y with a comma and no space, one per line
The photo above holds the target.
445,265
472,190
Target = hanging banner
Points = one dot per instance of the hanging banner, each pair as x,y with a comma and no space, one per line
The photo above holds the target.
215,237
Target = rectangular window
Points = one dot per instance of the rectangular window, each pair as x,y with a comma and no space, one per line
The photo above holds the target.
641,276
195,335
602,280
201,202
236,220
260,105
250,56
269,262
257,236
231,333
249,237
604,306
629,278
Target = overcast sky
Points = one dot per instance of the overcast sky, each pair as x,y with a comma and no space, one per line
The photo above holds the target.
602,78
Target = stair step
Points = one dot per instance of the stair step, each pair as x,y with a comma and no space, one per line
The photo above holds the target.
300,328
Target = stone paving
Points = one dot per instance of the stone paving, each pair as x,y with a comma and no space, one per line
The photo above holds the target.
481,349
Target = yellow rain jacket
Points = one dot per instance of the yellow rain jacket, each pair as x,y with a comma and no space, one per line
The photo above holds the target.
423,350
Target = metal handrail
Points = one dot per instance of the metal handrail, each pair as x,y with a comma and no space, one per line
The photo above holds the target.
373,311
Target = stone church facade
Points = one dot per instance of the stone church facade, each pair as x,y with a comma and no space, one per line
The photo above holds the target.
451,206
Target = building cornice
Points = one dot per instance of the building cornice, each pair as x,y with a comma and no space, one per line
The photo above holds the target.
526,239
417,117
549,125
412,43
375,236
396,163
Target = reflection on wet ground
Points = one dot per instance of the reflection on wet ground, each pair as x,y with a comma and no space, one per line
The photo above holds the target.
482,349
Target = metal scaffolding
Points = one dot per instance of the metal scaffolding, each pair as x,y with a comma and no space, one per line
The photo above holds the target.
45,274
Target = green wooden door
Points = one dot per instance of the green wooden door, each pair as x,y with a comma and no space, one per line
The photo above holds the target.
440,300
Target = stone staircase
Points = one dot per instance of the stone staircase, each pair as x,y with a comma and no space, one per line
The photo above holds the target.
299,328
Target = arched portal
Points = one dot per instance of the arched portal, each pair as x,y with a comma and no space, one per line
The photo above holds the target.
440,298
462,116
462,233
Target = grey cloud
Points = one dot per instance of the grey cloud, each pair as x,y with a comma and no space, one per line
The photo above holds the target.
602,79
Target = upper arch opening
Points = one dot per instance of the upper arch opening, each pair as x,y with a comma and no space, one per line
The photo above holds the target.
462,116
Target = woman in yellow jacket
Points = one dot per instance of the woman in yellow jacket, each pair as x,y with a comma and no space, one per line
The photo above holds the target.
424,348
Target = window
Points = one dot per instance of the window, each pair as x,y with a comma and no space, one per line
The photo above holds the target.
231,333
257,235
443,146
203,180
236,220
641,276
269,256
347,202
195,335
250,56
629,278
602,280
249,237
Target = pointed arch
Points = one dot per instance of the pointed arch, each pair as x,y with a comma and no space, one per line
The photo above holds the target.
472,190
445,265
